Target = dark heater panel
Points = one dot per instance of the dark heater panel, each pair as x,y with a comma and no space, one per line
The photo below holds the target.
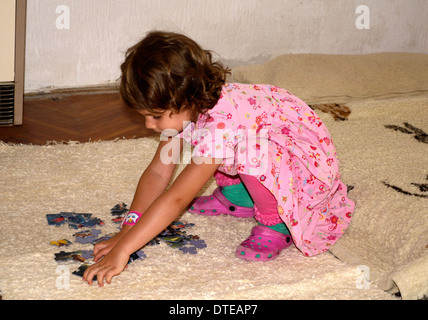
7,102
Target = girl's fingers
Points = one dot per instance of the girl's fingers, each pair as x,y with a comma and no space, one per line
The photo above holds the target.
110,274
107,274
100,276
99,246
100,254
110,266
90,272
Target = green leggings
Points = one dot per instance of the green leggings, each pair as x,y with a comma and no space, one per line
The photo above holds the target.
238,195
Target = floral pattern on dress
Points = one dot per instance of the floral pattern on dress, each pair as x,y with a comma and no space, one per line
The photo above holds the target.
267,132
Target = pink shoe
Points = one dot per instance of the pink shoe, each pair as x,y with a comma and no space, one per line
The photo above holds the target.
264,244
217,204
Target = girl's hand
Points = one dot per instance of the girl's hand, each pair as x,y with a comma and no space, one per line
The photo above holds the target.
103,248
111,265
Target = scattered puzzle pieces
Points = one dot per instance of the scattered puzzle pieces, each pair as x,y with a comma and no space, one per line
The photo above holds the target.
80,255
191,250
119,211
74,220
138,255
104,238
87,236
174,236
200,244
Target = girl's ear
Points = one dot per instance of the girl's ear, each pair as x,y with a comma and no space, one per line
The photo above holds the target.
172,113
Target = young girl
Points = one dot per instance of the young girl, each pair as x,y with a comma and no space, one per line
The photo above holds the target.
258,138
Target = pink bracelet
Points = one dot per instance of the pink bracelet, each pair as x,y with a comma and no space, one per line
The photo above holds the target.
131,218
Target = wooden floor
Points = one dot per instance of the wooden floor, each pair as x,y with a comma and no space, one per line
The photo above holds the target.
83,118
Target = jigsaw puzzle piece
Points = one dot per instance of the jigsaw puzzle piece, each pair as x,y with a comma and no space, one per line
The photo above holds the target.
81,270
55,219
60,243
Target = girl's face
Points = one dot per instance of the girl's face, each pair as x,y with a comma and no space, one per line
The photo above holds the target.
166,121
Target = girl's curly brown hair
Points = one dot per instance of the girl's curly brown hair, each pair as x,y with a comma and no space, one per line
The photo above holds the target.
169,71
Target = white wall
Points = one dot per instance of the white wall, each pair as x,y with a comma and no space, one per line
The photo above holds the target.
240,31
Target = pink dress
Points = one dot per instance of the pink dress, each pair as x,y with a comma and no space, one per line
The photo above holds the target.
267,132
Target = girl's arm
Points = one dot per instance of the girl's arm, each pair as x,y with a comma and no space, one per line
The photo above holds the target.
167,207
151,185
157,176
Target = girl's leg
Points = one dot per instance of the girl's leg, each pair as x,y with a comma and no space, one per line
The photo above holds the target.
271,236
233,189
266,212
231,197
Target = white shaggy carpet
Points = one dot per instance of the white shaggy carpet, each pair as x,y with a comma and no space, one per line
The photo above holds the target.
383,250
388,234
